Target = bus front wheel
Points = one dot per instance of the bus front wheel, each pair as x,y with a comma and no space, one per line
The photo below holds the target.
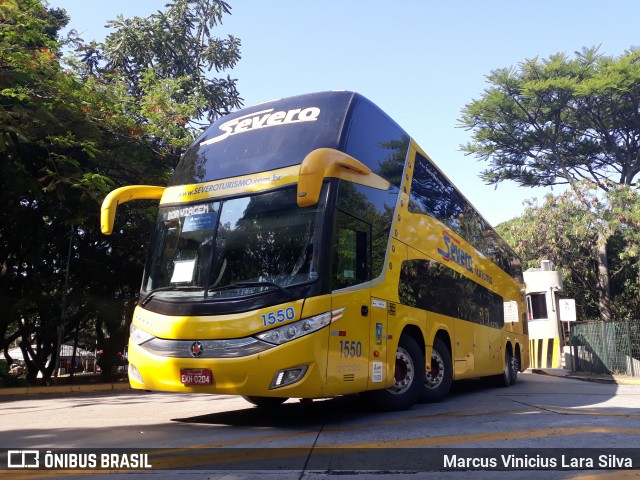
439,378
264,401
408,378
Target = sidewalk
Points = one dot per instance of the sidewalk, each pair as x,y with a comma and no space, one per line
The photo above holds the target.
89,387
588,377
124,385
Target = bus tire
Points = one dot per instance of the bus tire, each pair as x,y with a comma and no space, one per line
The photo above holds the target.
264,402
509,375
408,378
438,379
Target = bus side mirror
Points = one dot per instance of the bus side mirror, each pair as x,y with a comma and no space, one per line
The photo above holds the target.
328,162
122,195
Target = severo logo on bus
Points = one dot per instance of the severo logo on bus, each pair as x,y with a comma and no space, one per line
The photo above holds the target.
455,253
264,119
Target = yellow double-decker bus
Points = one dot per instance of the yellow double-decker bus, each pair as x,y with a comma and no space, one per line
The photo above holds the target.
307,247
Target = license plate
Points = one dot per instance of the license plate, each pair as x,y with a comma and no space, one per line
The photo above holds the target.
196,376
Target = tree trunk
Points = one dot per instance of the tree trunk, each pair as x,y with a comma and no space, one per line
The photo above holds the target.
604,293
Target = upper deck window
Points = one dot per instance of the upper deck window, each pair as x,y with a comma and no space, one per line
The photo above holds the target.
281,133
378,142
432,194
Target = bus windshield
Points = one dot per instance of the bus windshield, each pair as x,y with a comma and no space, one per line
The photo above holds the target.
236,247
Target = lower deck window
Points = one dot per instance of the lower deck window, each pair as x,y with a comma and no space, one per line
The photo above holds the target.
432,286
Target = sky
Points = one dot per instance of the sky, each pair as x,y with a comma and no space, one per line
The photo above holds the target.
421,61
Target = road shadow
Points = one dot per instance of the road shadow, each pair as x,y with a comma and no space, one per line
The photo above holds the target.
293,414
332,411
314,413
335,411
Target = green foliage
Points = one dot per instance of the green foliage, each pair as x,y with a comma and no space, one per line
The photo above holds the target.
563,231
162,64
559,120
35,168
569,121
69,133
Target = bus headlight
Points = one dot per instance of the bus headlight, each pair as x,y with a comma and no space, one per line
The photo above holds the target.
138,335
291,331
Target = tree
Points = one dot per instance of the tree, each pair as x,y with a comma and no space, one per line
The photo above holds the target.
68,135
163,63
62,149
157,68
563,121
559,230
36,105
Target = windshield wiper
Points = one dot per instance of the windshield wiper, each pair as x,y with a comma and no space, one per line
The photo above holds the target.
256,283
168,288
261,283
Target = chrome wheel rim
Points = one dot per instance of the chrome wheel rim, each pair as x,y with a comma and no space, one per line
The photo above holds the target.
435,376
404,372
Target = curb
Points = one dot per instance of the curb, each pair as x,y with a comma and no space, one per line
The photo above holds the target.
98,387
586,378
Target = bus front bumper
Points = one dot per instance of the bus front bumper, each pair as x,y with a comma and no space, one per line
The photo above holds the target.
302,362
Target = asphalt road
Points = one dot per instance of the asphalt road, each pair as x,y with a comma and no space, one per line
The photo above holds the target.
217,437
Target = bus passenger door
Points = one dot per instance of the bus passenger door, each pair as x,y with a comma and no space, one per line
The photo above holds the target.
347,363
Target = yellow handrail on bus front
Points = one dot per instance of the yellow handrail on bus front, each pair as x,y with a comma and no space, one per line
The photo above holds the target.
122,195
328,162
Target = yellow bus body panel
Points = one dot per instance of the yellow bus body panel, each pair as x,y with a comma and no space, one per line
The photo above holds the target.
248,375
476,349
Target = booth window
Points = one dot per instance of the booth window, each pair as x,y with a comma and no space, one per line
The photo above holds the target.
537,306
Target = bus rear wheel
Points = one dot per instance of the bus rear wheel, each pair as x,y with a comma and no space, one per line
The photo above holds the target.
264,402
439,378
511,367
408,378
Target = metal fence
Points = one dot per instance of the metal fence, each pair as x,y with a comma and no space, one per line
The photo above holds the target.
606,347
